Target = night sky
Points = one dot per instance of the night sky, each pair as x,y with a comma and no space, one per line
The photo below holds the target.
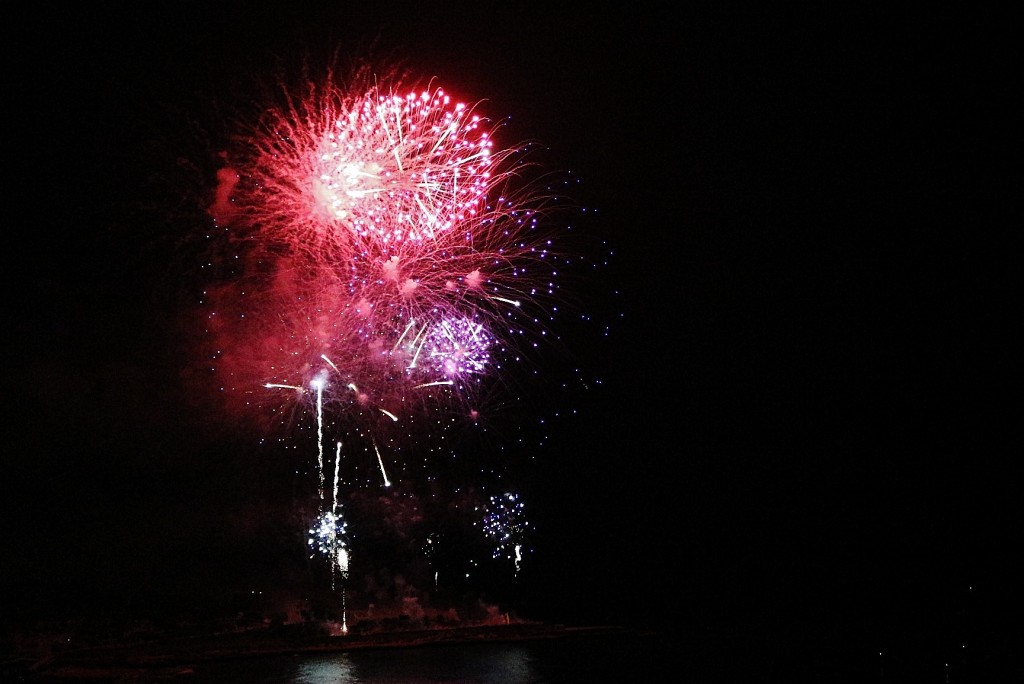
797,425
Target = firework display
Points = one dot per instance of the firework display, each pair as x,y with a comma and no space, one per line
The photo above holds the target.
389,270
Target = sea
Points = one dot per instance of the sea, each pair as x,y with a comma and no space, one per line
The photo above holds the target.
629,657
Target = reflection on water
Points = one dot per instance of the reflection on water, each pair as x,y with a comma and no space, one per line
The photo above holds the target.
552,661
320,670
480,664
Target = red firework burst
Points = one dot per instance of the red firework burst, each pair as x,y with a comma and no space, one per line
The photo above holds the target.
384,245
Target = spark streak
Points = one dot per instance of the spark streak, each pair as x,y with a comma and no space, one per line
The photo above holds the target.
380,460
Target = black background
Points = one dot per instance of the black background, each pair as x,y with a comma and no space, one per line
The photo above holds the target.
803,444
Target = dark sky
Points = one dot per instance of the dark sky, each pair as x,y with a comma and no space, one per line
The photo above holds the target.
804,425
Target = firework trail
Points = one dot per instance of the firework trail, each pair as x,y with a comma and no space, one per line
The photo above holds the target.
328,536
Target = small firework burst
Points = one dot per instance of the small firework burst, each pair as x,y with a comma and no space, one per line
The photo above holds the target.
505,525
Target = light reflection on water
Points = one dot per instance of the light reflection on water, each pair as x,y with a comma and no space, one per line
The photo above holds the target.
476,664
554,661
337,668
